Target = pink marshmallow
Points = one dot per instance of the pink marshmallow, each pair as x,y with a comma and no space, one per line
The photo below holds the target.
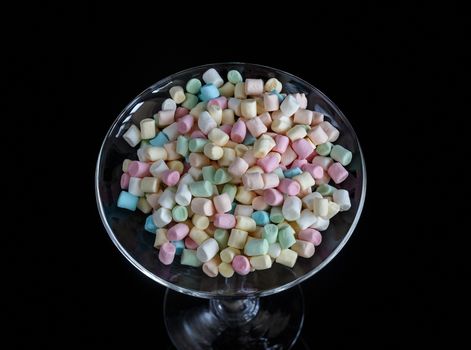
241,265
310,235
139,169
324,179
167,253
316,171
226,128
198,134
170,177
282,143
190,244
266,119
185,124
273,197
288,156
289,187
270,180
238,167
303,116
177,232
221,101
180,112
238,132
337,172
256,126
226,221
268,163
302,148
298,163
124,182
310,157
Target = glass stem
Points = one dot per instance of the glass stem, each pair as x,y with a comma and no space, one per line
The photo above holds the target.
234,312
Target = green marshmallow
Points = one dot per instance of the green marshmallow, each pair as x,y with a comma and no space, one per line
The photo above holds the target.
193,86
208,173
325,190
189,258
324,149
221,236
190,101
231,190
182,146
284,226
234,76
221,176
286,238
179,213
270,233
256,247
341,155
201,189
276,216
197,145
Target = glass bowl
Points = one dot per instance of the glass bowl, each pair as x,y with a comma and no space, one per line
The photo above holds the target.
126,228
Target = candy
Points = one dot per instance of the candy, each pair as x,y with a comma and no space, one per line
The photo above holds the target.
241,265
261,262
160,237
287,257
337,172
341,155
132,136
303,248
189,258
224,221
167,253
207,250
226,270
127,200
239,174
237,238
211,76
342,198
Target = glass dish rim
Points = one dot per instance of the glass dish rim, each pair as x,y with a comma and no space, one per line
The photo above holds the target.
209,295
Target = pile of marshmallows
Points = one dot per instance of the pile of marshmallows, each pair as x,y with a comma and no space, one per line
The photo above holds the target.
236,175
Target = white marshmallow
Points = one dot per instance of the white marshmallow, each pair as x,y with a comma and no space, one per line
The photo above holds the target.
183,195
135,186
342,198
169,105
306,219
132,136
207,250
158,167
291,209
206,123
171,131
162,217
167,198
211,76
289,106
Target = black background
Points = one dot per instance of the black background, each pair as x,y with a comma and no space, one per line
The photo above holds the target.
390,69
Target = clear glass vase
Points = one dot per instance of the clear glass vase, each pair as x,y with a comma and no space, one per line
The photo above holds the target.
263,310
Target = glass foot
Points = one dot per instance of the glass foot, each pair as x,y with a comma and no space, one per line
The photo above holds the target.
271,323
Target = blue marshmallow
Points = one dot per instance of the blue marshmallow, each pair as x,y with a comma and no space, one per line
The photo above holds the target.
160,140
208,92
249,139
127,201
289,173
150,225
179,245
261,217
